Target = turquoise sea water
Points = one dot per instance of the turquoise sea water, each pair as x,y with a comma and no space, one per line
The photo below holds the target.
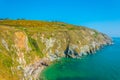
104,65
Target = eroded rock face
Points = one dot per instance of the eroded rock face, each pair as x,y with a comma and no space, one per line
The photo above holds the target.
32,71
30,49
64,47
4,43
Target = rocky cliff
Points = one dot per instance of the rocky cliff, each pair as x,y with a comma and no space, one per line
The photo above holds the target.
26,47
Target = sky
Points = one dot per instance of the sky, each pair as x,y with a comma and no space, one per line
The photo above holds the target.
102,15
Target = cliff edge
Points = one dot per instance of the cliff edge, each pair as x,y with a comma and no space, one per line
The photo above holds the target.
26,47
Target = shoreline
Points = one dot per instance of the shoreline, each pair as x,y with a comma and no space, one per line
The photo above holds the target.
33,71
43,67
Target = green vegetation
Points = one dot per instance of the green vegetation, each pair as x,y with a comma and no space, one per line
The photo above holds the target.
23,42
34,46
6,60
96,34
71,28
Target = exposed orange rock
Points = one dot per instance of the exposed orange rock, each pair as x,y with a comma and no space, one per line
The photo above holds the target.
20,40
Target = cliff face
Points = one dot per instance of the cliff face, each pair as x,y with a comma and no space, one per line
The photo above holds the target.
26,47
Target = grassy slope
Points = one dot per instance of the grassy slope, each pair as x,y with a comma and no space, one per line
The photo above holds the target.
31,28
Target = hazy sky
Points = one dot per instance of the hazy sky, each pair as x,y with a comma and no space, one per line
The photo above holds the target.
103,15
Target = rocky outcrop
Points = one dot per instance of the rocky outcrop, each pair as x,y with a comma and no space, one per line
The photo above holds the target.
32,45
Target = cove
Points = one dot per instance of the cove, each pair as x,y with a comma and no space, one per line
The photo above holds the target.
103,65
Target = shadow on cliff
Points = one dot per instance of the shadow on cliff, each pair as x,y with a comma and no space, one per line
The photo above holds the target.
70,53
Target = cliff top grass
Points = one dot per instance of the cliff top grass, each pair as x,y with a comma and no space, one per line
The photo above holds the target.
43,25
